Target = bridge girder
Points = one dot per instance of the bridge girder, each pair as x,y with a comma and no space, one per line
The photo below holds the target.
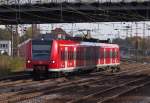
74,13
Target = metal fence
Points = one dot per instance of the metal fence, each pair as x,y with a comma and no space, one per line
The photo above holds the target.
10,2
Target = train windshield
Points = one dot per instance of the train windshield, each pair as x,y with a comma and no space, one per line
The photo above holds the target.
41,50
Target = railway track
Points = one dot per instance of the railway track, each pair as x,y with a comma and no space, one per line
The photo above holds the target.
11,85
7,84
43,89
112,92
16,76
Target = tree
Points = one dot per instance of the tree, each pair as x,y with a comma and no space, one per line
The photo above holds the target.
30,33
5,34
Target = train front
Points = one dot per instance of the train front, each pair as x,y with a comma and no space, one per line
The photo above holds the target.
39,57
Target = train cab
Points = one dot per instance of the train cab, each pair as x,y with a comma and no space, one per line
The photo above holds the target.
39,56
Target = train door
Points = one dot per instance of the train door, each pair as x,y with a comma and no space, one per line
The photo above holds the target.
62,57
70,57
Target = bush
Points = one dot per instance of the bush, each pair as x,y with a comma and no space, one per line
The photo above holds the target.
9,65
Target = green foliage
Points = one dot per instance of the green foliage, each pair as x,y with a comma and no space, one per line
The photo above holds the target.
27,35
4,34
135,42
16,64
9,65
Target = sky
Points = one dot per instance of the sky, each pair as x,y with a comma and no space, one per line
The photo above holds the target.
103,30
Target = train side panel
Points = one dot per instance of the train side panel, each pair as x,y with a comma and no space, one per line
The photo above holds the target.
54,57
68,56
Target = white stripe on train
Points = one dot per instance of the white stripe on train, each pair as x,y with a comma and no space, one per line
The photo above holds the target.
75,68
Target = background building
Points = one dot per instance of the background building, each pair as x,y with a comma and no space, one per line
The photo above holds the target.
5,47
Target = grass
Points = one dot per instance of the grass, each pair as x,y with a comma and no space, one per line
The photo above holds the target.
10,65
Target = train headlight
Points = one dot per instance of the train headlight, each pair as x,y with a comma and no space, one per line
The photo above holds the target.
28,61
53,61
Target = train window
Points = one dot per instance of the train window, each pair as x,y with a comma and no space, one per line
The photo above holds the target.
78,54
41,50
66,54
79,57
70,55
97,53
62,55
75,54
87,54
113,54
92,53
116,54
81,54
102,54
106,54
84,57
110,54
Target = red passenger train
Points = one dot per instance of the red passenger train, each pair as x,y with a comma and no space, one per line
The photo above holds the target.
65,56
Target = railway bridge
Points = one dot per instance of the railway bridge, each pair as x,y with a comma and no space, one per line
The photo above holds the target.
71,11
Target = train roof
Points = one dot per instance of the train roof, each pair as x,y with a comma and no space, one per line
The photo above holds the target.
75,43
80,43
100,44
24,43
68,37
